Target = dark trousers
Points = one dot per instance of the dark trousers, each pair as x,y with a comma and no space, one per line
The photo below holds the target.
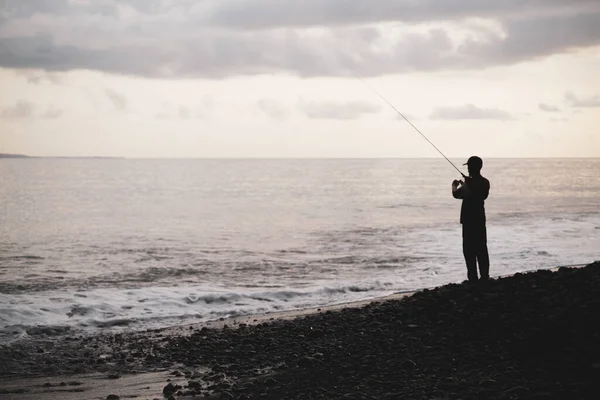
475,250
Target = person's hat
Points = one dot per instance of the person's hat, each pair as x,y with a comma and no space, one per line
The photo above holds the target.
474,161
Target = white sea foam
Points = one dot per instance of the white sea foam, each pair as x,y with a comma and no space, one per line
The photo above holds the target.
48,313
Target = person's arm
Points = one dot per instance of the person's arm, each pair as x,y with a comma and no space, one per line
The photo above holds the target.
459,192
486,190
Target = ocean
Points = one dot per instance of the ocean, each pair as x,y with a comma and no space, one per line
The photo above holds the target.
107,245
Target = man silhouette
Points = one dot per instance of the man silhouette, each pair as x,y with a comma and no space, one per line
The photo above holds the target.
473,192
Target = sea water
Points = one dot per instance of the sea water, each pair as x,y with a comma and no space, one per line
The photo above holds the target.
102,245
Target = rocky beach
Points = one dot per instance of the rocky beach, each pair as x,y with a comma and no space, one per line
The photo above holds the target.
529,336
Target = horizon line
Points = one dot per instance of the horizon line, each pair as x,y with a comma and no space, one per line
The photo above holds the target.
22,156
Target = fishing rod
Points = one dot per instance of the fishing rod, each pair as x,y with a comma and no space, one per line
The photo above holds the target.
411,124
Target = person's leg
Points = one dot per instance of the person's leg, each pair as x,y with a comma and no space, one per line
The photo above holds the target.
470,253
483,258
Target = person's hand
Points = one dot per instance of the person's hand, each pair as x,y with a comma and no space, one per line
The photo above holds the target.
456,182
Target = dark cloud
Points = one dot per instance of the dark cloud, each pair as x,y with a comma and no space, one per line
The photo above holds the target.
265,14
582,102
21,110
118,100
548,108
528,39
272,108
210,38
469,111
342,111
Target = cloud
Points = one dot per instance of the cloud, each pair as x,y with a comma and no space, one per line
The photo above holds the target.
548,108
340,111
27,110
21,110
582,102
118,100
184,112
52,113
469,111
37,77
216,39
267,14
272,108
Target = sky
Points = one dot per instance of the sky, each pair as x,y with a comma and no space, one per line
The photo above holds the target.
293,78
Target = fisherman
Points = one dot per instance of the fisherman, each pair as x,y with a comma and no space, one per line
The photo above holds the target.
473,192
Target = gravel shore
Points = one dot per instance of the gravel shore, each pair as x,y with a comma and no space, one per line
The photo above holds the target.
529,336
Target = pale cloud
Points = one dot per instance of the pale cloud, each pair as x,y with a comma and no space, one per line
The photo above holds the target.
337,110
582,102
548,108
28,110
21,110
52,112
469,111
183,112
39,76
117,99
216,39
272,108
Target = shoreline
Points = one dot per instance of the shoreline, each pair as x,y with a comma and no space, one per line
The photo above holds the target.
295,313
253,318
143,361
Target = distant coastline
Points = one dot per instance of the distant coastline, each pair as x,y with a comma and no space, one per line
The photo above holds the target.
7,155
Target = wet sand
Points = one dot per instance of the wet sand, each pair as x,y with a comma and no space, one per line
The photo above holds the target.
529,336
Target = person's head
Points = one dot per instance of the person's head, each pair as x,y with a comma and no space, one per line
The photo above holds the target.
474,165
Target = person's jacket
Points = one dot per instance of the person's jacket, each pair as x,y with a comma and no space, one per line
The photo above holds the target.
473,193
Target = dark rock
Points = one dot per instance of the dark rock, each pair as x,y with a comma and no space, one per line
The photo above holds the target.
270,382
112,397
315,333
113,375
541,396
170,389
305,362
195,385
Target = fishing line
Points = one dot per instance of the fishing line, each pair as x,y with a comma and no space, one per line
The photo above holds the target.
411,124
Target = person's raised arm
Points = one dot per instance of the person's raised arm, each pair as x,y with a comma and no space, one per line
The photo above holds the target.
458,192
